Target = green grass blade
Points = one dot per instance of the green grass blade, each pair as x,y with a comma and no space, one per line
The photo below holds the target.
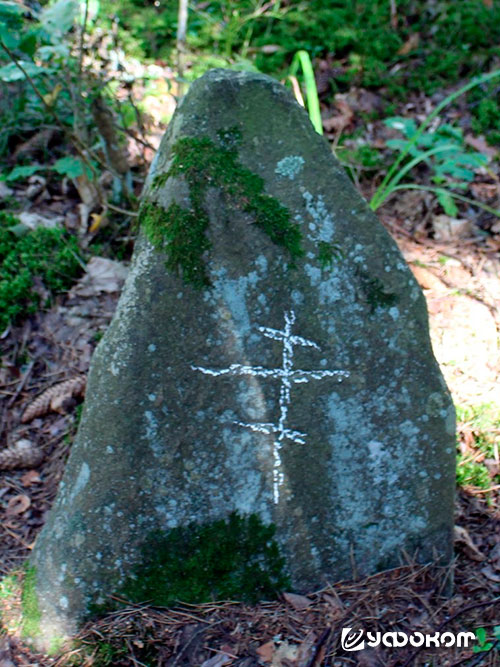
303,60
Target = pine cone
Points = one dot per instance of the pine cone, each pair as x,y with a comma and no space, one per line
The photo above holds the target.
23,454
54,398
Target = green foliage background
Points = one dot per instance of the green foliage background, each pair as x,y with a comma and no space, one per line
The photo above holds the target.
456,39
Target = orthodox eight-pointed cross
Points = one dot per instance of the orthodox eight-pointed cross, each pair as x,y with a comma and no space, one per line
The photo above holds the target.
287,376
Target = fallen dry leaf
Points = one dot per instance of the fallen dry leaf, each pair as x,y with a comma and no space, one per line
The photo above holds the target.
265,651
285,654
5,191
217,661
491,574
306,651
18,505
485,191
449,229
90,199
34,220
270,48
36,185
462,537
411,43
469,441
493,466
480,144
365,101
51,97
36,144
493,243
30,477
298,602
343,119
97,221
333,602
102,275
495,556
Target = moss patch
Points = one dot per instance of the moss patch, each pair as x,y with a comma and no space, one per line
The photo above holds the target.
29,600
49,255
236,558
328,253
181,232
375,292
106,654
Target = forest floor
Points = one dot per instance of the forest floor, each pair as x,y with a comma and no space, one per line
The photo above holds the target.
460,279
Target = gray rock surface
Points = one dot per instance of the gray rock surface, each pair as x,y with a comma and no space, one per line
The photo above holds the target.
285,371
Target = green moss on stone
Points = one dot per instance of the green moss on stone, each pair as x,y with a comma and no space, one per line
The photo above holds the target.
236,558
181,232
56,645
375,292
29,601
327,254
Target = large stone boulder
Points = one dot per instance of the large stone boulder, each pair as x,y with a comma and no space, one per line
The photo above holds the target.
270,354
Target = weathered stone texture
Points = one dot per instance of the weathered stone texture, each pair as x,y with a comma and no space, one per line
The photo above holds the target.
162,442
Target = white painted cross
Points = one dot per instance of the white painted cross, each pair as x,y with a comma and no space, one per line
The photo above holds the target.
287,376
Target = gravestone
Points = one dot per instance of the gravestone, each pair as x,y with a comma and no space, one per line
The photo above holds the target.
269,354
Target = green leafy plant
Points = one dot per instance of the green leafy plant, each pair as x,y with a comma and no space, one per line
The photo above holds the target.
47,255
357,158
37,47
484,644
236,558
66,166
233,23
55,91
483,422
442,150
